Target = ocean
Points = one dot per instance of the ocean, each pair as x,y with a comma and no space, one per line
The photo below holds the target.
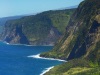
25,60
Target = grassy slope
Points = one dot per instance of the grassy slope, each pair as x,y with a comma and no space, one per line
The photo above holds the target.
78,45
33,26
89,65
77,32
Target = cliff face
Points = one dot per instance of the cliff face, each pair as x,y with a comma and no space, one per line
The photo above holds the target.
81,42
15,36
3,21
81,32
41,29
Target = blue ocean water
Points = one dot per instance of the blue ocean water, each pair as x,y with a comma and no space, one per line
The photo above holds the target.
14,60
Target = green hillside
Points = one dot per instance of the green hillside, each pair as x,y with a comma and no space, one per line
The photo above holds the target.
80,44
41,29
5,19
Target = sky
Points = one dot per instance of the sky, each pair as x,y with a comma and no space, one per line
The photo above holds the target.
22,7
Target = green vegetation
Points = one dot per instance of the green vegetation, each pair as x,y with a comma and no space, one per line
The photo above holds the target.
81,43
42,27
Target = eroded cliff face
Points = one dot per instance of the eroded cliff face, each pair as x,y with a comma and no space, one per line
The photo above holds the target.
41,29
15,36
82,32
50,39
81,43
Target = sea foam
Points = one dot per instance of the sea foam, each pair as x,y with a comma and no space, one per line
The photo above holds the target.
38,57
46,70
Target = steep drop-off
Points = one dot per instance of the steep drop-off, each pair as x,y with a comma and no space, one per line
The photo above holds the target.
81,42
40,29
5,19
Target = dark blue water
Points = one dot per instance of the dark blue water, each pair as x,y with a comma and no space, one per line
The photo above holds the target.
14,60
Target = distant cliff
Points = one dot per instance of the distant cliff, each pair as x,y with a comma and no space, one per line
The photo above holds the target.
5,19
40,29
80,43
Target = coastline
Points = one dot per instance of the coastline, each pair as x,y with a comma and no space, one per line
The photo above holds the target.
46,70
23,44
37,56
